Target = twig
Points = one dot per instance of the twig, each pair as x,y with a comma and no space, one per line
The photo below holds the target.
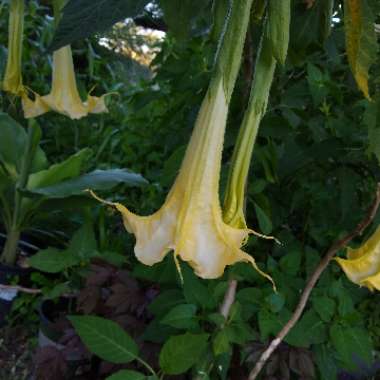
339,244
20,289
229,299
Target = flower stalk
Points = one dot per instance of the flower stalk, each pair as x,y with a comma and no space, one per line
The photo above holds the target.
12,81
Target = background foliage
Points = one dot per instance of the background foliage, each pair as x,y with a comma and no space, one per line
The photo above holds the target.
313,174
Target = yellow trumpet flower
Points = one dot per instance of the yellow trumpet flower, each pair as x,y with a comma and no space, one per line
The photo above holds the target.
12,81
362,265
190,222
64,96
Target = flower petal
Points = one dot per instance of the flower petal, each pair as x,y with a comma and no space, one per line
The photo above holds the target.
363,264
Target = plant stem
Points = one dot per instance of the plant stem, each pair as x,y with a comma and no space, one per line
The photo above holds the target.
147,366
336,246
9,254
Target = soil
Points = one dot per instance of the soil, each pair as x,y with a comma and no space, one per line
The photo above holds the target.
16,353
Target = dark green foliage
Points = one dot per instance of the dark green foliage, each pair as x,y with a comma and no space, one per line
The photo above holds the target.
313,175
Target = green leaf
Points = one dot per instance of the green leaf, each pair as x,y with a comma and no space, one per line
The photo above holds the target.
181,316
309,330
59,172
181,352
83,18
270,324
105,339
56,291
265,223
239,332
126,374
326,362
96,180
165,301
353,345
325,307
343,297
371,119
361,41
83,243
221,343
291,262
195,291
52,260
275,301
13,144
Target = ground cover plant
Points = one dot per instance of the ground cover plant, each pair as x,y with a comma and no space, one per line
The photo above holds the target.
189,189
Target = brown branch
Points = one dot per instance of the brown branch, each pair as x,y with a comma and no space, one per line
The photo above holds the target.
339,244
229,299
20,289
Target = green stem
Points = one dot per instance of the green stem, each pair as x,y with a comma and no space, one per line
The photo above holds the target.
231,43
9,254
241,158
57,8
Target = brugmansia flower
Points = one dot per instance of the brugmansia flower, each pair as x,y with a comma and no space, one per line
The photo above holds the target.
64,96
190,222
12,81
362,265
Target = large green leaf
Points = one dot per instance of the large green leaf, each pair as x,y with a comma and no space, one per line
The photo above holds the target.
56,173
83,18
105,339
181,352
52,260
361,41
96,180
353,345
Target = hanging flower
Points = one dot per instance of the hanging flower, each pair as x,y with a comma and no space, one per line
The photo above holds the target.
190,222
362,265
64,96
12,81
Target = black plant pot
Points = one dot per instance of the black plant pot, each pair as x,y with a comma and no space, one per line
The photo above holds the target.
50,332
7,296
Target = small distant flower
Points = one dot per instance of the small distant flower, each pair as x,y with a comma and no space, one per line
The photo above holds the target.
64,96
